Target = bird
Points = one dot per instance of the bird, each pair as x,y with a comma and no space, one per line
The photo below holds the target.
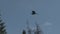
33,13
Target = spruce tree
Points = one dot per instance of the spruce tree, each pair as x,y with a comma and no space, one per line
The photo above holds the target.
24,32
2,27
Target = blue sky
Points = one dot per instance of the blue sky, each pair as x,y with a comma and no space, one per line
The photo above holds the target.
16,12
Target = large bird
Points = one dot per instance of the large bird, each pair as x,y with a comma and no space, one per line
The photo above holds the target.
33,12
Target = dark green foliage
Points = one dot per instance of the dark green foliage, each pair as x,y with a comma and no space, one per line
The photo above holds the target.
2,28
24,32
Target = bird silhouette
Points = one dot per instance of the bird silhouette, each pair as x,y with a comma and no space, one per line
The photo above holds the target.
33,12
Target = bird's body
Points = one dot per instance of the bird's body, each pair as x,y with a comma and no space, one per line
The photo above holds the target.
33,12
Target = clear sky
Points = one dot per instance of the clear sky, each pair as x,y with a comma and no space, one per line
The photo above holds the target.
16,12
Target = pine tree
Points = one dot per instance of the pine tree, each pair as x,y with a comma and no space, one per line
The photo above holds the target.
2,27
24,32
38,30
